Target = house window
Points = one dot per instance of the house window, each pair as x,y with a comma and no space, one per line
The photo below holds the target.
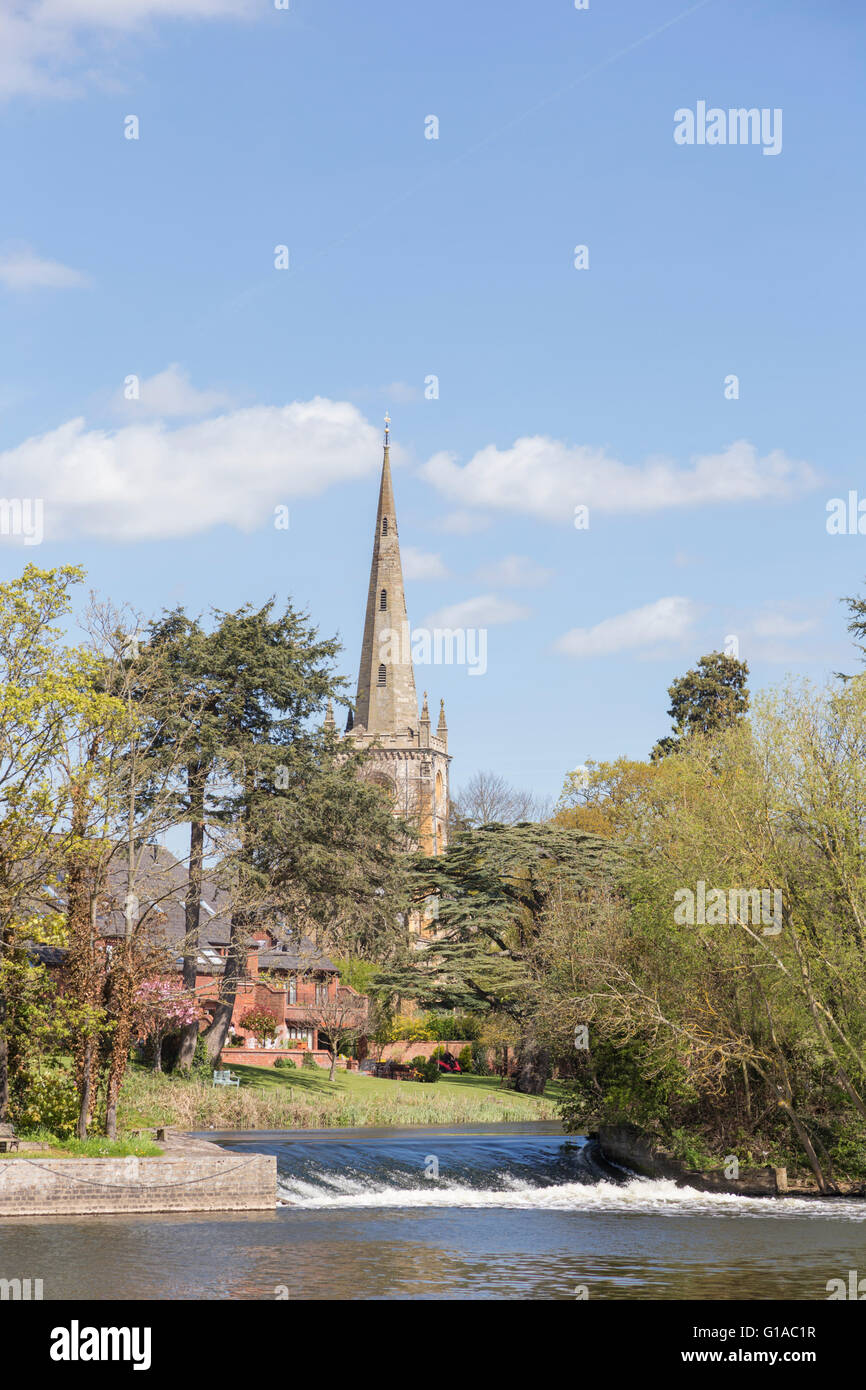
293,989
383,600
383,676
321,993
384,526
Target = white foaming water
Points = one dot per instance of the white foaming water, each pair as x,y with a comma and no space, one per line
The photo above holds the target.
640,1196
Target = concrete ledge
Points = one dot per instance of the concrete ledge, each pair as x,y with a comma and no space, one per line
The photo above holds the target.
190,1181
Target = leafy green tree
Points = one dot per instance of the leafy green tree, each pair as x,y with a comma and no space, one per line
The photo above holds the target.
732,972
710,697
48,700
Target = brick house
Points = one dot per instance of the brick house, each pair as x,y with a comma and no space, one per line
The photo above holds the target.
296,983
288,976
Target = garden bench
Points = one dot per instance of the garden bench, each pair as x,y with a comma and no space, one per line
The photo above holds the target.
225,1078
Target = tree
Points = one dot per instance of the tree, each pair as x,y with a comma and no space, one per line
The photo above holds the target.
488,798
51,712
341,1018
604,798
709,698
258,679
333,853
136,796
493,885
186,735
730,971
162,1007
261,1023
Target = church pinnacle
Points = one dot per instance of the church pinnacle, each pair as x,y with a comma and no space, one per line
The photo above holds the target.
386,701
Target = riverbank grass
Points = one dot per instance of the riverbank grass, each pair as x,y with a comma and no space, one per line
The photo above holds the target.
304,1098
97,1146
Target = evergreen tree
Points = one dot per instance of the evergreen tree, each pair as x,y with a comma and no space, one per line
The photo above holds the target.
493,886
707,699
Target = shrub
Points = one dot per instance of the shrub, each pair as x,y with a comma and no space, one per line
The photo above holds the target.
202,1067
464,1058
48,1100
435,1027
479,1059
419,1062
308,1060
237,1042
284,1064
466,1026
431,1070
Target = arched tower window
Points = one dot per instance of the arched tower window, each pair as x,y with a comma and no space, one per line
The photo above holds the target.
383,600
383,676
384,526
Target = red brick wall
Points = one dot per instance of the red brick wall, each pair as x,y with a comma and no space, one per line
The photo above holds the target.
266,1057
405,1051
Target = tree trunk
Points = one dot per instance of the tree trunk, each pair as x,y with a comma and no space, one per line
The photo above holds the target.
157,1052
84,1091
809,1151
333,1066
4,1060
192,909
533,1069
235,967
84,971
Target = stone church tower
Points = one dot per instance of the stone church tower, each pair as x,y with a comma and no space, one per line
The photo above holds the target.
404,755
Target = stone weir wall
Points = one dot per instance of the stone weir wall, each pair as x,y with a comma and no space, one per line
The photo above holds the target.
191,1176
629,1147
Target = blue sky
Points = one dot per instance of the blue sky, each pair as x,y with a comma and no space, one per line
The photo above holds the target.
451,257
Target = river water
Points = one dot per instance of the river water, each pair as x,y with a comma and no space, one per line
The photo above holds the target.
495,1212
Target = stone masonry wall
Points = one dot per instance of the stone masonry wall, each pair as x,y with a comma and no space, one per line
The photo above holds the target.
79,1186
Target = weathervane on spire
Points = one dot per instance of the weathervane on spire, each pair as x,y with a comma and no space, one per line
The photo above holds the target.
387,428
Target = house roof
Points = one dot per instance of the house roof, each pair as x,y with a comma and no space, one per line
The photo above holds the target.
161,885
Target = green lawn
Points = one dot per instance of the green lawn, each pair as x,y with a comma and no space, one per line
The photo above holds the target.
355,1083
304,1098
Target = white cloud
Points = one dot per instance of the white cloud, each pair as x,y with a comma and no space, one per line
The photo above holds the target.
22,269
145,481
514,572
775,623
170,393
545,478
423,564
666,620
484,611
43,45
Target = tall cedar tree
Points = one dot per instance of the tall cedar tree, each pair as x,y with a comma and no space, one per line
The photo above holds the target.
255,681
195,724
493,886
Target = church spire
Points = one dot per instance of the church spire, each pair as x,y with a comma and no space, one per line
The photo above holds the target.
386,701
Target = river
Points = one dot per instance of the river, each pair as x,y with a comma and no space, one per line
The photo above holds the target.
492,1212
